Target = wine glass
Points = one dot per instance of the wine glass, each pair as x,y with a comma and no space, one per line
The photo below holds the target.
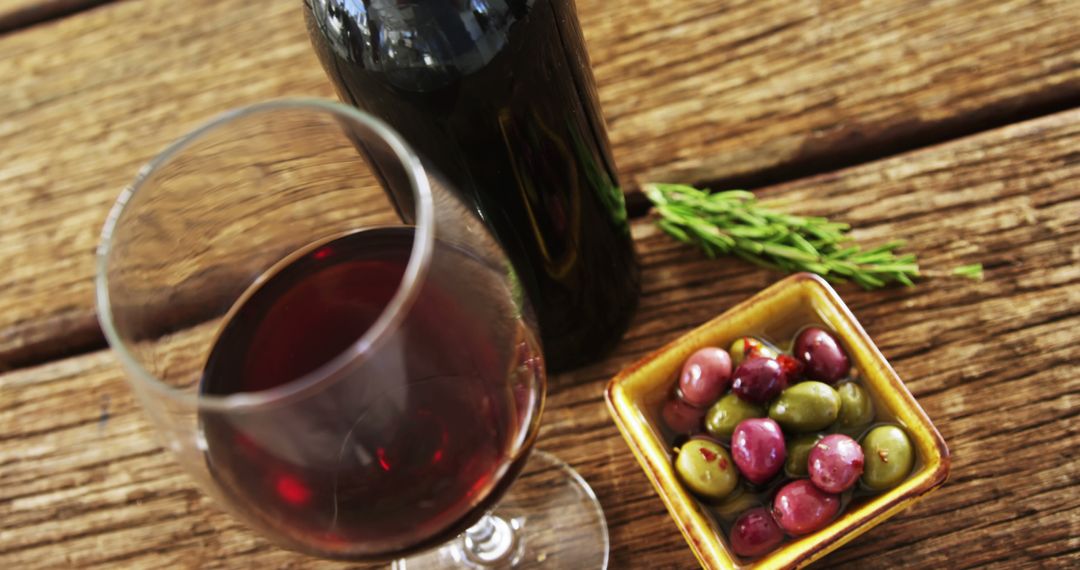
335,348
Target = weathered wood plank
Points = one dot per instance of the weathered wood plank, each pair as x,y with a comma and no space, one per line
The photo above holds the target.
82,483
692,91
705,92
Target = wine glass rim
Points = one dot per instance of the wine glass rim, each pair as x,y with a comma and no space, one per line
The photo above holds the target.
391,316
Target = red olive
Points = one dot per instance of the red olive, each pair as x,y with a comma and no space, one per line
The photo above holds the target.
822,355
836,463
755,533
801,508
706,375
758,380
758,449
682,418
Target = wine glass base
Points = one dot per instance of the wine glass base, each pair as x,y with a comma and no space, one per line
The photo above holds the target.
549,518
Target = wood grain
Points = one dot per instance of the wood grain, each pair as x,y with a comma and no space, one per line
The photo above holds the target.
696,90
82,483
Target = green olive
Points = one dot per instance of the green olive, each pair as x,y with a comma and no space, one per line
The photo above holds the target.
736,503
889,457
745,344
805,407
706,469
798,453
727,412
856,408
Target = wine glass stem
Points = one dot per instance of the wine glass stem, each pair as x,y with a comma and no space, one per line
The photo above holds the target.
493,541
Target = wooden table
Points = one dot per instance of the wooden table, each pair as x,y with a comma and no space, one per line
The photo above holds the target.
952,124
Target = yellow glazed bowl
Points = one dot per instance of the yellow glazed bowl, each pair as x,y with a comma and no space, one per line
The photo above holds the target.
635,396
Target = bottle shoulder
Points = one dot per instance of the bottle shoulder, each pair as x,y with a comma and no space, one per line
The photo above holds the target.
419,45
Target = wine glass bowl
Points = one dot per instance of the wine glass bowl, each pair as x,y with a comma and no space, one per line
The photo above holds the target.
331,343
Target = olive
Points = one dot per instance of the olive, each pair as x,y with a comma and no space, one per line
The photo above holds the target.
705,376
835,463
706,468
748,345
737,502
798,454
801,508
805,407
757,446
819,350
726,413
856,407
889,457
755,533
758,380
682,418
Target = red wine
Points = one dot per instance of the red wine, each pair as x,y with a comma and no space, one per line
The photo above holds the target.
499,97
406,443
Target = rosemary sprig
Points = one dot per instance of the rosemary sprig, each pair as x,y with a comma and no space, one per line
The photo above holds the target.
973,271
734,222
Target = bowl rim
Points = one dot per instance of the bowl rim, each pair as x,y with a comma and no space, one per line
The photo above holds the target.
853,523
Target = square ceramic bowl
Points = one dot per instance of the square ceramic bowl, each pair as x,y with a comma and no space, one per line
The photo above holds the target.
777,313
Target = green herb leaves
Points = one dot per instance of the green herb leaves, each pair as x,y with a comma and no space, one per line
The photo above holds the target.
973,271
735,223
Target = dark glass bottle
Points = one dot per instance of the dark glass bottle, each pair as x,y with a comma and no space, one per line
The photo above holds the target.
498,95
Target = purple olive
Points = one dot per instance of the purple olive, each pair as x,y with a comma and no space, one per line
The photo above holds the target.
819,350
801,508
682,418
755,533
706,375
757,447
836,463
758,380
